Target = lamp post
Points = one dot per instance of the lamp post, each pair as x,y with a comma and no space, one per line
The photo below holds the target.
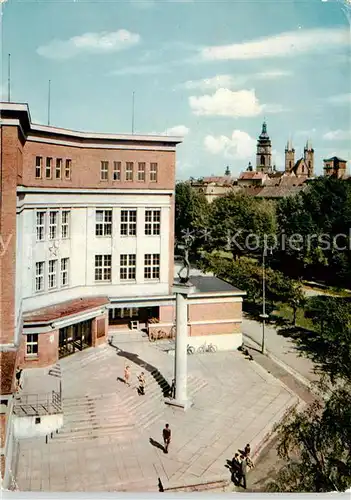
264,316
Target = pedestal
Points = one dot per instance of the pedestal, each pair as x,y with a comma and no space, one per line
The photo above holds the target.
181,357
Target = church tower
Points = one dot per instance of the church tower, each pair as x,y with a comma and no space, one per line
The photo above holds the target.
289,157
308,156
264,152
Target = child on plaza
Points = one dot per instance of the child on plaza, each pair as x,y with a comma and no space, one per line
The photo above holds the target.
127,374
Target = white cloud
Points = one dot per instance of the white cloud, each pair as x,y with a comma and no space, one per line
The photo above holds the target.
340,99
337,135
240,145
273,74
178,130
305,133
281,45
225,102
94,43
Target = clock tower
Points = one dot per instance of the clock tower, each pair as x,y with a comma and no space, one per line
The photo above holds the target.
264,151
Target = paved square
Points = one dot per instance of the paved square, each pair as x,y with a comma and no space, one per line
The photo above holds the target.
105,442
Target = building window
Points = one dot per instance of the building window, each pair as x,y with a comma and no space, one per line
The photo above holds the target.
58,168
103,225
68,168
152,222
64,271
40,226
48,168
38,165
103,267
104,171
141,172
263,160
129,171
52,274
153,172
128,267
128,222
32,344
152,266
117,167
39,276
65,216
53,225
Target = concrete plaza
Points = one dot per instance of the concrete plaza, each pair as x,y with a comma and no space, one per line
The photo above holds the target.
111,436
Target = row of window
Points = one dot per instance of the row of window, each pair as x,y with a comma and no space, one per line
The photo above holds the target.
127,270
128,174
56,223
54,169
53,281
103,270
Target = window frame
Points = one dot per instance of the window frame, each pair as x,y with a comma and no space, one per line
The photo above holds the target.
152,269
38,226
130,226
38,167
117,171
153,172
52,274
58,168
64,271
105,223
152,225
65,224
104,168
127,267
50,226
129,170
40,276
68,168
32,341
141,170
104,267
48,168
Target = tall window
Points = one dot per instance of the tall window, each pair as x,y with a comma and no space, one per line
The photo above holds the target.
152,222
103,226
64,271
153,172
39,276
32,344
263,160
103,267
58,168
68,168
53,216
129,171
65,216
52,281
48,168
117,167
152,266
38,166
40,226
128,267
128,222
104,171
141,172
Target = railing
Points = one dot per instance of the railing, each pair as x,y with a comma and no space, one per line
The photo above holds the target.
30,405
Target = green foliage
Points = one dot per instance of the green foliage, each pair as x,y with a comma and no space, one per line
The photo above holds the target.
316,445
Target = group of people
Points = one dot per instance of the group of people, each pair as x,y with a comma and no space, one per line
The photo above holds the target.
141,380
240,464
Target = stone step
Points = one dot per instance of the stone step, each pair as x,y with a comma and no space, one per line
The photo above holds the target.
117,432
93,424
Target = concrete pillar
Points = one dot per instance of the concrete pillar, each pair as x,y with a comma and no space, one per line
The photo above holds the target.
180,365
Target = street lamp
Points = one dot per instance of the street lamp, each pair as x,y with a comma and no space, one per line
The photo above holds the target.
264,316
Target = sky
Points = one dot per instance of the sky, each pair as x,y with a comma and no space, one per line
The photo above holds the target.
209,71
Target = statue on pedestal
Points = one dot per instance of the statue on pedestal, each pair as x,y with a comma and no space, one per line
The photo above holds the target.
188,240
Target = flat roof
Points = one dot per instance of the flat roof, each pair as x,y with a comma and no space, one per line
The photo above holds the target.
212,284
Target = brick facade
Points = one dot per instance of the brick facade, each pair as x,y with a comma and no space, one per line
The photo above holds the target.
211,311
47,351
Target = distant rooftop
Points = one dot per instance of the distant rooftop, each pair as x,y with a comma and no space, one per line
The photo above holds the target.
212,284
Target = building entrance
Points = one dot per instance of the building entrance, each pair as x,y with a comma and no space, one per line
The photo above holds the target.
75,338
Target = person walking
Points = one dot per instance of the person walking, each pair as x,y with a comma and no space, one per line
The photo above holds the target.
127,374
142,384
18,378
247,450
236,467
173,389
166,437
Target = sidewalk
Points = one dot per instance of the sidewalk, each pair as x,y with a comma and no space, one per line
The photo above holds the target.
282,350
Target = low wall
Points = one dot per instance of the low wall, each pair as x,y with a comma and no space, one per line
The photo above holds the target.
25,427
222,342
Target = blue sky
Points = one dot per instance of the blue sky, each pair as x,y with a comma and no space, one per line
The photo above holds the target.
208,70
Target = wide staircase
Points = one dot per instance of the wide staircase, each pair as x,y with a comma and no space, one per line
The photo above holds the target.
106,406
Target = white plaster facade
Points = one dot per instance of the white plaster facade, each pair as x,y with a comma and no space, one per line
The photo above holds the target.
82,245
26,427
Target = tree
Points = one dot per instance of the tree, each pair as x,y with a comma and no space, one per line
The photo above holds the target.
316,445
239,224
191,213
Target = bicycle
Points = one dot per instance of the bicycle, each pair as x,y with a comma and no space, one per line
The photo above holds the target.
190,349
207,348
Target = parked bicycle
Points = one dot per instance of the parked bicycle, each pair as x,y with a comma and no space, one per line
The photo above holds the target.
159,335
190,349
207,348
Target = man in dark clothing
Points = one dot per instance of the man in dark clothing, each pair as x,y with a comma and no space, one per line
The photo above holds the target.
173,389
243,470
166,437
236,468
